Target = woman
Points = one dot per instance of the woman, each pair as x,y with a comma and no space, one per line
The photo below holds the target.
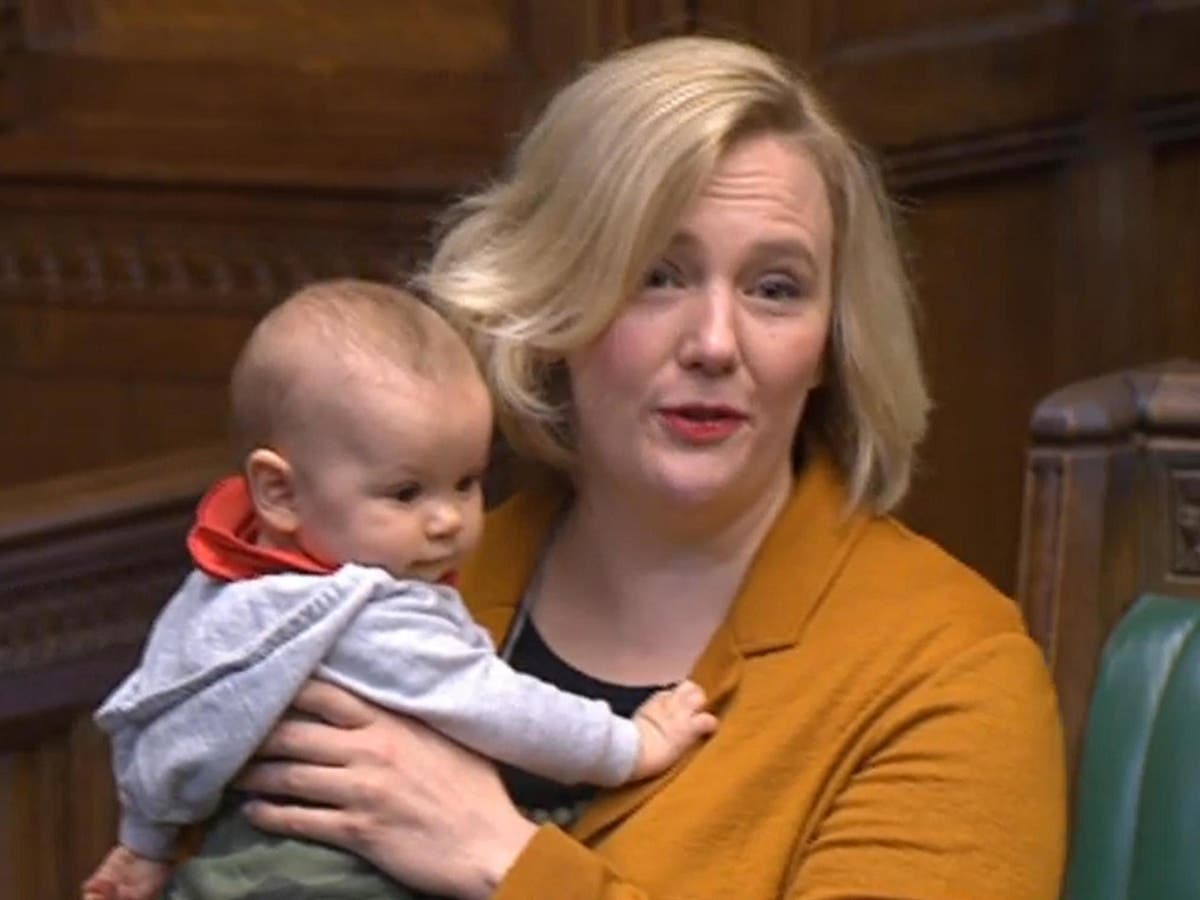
688,301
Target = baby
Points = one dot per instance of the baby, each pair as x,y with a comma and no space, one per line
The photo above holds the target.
365,427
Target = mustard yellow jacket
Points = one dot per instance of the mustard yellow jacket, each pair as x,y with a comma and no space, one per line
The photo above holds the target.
887,730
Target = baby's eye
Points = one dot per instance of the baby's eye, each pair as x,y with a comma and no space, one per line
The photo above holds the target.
663,274
407,493
467,483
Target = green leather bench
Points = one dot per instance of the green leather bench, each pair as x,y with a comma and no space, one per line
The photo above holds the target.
1137,824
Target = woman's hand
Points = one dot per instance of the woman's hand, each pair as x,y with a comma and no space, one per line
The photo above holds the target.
420,807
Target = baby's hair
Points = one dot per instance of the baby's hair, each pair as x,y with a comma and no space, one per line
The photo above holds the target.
339,329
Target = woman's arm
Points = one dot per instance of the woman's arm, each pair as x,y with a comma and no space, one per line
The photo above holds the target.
963,796
424,810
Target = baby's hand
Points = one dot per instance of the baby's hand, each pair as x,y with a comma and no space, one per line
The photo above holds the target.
668,723
124,875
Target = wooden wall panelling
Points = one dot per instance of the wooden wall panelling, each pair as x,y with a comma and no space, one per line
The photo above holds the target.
85,563
122,308
11,44
1175,234
180,167
985,255
58,811
788,29
363,92
1168,112
38,811
92,801
373,93
555,38
1102,314
904,75
1162,50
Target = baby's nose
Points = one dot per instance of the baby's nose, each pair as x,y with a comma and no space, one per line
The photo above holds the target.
444,521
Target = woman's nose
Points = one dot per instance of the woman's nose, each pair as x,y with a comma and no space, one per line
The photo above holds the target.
709,338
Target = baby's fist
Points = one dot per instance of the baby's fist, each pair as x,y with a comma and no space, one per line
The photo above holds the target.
668,723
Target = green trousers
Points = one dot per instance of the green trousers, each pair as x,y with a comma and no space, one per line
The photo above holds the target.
237,860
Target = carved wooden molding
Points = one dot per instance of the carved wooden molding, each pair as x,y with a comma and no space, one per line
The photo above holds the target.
1156,399
1029,148
1169,122
97,247
1185,503
1041,542
1021,149
100,610
85,564
196,268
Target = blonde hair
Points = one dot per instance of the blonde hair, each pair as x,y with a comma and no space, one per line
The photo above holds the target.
346,328
540,262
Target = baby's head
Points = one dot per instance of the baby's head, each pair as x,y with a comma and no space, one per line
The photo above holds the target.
364,427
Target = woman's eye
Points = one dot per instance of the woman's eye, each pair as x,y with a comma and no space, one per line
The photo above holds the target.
779,287
407,493
662,275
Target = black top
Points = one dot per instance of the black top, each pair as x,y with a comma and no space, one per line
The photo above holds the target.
538,797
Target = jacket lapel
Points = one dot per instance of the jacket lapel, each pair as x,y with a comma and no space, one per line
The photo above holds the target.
498,572
718,671
790,574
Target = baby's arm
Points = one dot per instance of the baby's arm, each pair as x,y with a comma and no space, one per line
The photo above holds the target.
420,654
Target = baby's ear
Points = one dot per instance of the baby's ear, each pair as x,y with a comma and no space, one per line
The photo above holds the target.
273,490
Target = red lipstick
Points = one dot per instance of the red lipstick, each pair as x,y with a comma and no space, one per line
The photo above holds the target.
700,423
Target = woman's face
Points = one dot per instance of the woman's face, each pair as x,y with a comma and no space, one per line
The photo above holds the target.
694,393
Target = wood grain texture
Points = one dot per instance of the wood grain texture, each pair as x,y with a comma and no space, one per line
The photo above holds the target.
11,47
985,370
285,92
122,308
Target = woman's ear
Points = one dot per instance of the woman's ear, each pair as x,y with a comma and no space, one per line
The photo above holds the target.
273,490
